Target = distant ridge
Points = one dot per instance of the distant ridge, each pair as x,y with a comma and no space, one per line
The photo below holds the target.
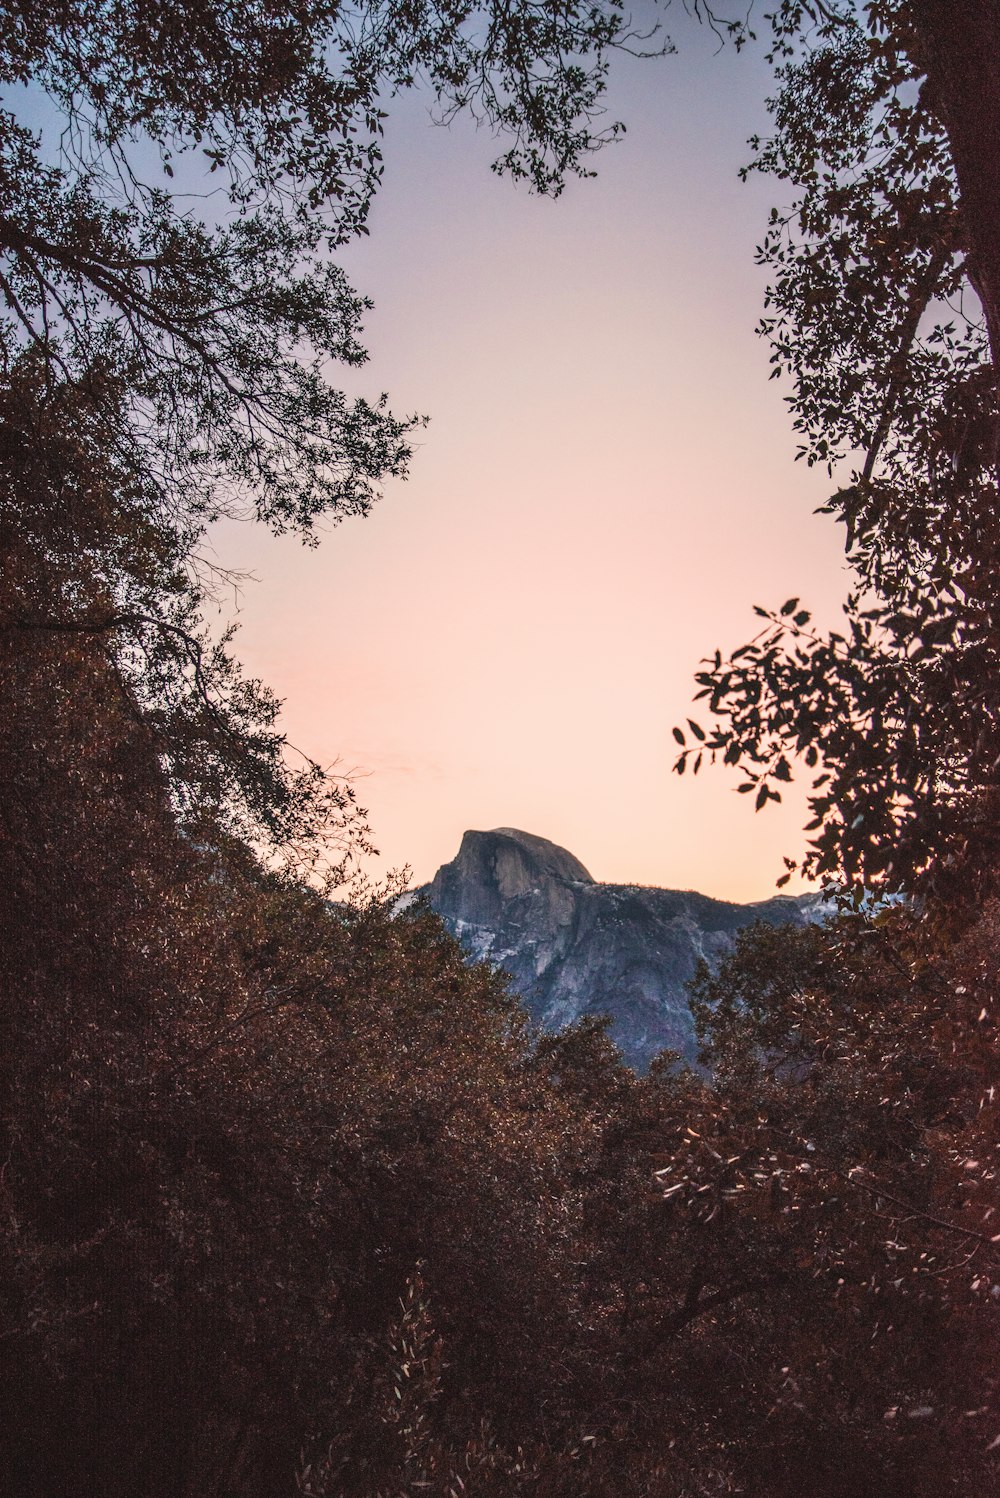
575,947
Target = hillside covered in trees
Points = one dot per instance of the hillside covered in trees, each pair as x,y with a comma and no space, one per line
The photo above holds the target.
293,1199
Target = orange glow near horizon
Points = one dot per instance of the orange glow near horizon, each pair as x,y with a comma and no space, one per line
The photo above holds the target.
606,488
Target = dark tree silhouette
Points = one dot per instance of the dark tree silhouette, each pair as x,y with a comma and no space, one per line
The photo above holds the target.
882,310
174,182
292,1199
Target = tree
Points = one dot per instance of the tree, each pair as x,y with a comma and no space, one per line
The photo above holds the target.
290,1193
957,51
842,1148
854,1067
167,234
234,1119
90,564
883,312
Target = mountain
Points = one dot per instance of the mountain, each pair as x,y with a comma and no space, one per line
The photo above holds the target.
575,947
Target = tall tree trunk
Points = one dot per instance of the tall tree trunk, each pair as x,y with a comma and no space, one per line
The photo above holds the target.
958,47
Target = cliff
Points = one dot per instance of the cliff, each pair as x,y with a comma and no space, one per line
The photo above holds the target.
575,947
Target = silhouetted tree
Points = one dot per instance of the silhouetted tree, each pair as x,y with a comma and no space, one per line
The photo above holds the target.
291,1196
883,311
196,333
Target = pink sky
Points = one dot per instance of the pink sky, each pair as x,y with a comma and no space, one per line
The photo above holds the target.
606,488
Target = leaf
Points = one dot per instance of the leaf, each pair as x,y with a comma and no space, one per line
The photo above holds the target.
679,736
787,608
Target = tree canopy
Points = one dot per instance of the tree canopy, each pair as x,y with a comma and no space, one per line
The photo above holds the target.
292,1198
882,313
173,189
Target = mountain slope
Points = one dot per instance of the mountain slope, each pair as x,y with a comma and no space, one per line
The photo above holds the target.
575,947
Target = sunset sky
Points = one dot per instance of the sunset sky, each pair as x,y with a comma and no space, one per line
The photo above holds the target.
605,489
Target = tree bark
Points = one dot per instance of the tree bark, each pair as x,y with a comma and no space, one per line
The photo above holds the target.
958,48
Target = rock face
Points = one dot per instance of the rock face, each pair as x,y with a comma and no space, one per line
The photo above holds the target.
574,947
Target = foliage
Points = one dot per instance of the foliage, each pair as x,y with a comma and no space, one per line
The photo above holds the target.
234,1119
172,187
850,1136
846,1146
291,1196
220,321
242,1123
873,313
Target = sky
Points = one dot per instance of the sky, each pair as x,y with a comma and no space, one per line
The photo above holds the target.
606,487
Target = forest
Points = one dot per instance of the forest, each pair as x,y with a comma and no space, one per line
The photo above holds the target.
293,1198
